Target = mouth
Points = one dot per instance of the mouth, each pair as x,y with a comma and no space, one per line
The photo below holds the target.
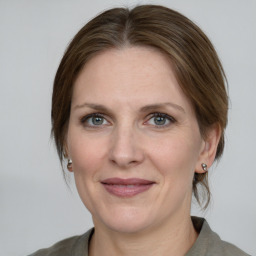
126,187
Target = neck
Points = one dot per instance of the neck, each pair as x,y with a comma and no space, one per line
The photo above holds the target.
174,237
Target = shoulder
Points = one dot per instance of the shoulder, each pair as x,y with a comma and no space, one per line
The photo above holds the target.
227,249
76,245
209,243
63,247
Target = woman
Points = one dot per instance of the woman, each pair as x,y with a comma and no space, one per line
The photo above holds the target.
139,110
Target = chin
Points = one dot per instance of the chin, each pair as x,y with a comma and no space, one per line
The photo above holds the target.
125,220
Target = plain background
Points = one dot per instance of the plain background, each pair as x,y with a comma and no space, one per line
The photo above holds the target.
36,207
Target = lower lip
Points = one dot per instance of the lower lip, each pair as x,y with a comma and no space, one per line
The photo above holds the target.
126,190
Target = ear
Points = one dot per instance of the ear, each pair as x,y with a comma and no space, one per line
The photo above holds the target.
66,155
65,150
209,148
65,146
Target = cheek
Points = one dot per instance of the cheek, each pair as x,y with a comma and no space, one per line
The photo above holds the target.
87,153
176,157
88,156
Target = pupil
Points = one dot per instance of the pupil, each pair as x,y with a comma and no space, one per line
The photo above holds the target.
97,120
159,120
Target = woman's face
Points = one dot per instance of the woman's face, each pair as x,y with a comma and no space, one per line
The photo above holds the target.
134,140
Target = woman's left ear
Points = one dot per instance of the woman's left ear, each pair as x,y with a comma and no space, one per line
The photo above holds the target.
209,149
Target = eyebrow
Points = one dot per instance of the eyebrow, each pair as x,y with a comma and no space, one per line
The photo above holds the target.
146,108
161,105
92,106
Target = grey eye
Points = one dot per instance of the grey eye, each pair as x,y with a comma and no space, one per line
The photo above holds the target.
159,120
96,120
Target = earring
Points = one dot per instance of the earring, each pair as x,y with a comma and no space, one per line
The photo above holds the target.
69,165
204,166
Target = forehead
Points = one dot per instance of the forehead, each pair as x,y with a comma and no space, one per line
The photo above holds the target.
129,75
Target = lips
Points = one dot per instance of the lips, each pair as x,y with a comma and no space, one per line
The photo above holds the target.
126,187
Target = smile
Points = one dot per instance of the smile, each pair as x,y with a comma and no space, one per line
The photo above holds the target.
126,187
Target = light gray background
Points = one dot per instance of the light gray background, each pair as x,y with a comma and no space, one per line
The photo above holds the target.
36,208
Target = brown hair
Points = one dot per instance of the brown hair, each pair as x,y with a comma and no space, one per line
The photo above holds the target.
197,66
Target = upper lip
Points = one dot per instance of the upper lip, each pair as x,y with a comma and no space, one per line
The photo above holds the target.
130,181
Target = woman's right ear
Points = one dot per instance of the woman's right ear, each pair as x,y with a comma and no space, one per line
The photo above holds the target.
65,151
66,156
69,165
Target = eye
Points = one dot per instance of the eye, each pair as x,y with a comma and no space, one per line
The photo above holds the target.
94,120
160,120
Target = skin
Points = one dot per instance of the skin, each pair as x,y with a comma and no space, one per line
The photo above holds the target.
129,143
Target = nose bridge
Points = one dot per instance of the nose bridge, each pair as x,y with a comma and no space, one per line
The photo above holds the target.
125,148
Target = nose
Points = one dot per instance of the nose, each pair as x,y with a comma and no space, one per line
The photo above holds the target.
125,150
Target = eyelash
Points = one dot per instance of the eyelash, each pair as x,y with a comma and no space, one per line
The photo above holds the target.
163,115
85,119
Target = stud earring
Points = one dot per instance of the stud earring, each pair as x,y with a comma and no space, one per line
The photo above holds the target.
69,165
204,166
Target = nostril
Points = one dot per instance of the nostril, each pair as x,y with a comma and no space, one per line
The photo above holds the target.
124,162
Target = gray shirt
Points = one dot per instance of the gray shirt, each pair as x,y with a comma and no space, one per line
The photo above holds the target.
208,243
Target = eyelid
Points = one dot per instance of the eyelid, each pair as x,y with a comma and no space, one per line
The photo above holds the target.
83,119
160,114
